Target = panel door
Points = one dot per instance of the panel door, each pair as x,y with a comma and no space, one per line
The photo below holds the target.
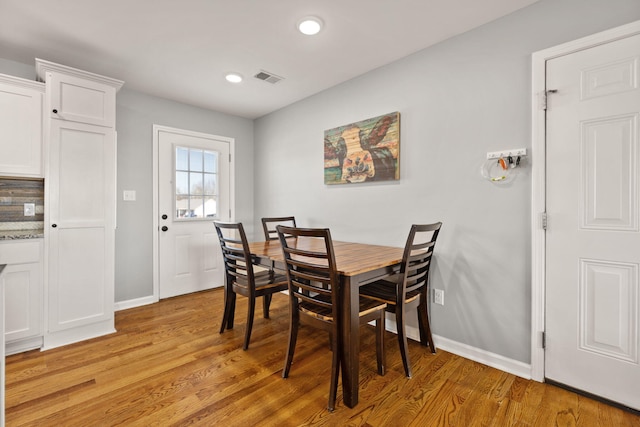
20,127
194,186
23,292
81,221
75,99
593,236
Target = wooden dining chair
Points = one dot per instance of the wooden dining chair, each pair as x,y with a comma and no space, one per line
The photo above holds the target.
242,278
410,288
269,225
314,296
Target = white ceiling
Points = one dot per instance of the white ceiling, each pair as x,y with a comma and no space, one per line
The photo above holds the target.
181,49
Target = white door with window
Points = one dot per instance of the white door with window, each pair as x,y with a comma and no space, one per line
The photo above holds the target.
593,236
194,189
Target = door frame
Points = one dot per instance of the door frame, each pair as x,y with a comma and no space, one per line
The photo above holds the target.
539,177
156,170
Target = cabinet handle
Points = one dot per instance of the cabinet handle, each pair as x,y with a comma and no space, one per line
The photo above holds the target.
164,228
54,225
55,111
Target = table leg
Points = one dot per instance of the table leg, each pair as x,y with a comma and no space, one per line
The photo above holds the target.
350,345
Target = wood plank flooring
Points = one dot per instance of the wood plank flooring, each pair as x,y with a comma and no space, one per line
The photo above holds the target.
168,366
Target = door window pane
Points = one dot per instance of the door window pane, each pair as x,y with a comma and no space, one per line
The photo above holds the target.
196,183
182,182
195,160
182,206
210,162
210,185
210,207
182,159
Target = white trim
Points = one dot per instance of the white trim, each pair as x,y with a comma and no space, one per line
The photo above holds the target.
538,188
494,360
42,67
20,82
133,303
156,214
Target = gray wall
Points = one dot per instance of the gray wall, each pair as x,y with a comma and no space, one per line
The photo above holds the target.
458,100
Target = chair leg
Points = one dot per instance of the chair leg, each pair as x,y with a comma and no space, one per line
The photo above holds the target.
232,310
294,321
250,312
402,341
425,329
380,354
335,373
227,316
266,303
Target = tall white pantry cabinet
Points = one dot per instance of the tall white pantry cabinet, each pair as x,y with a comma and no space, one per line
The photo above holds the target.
80,203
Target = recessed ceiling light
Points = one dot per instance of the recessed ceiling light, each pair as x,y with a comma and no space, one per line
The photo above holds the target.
233,77
310,25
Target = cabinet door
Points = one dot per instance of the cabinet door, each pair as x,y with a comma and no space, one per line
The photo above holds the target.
80,197
20,128
23,293
22,284
79,100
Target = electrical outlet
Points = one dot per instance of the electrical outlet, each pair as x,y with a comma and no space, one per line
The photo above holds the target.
29,209
438,296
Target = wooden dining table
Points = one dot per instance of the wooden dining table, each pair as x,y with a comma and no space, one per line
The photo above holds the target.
357,265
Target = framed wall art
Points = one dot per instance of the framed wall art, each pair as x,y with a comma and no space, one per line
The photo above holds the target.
365,151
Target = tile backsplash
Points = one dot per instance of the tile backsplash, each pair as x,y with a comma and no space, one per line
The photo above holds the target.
14,193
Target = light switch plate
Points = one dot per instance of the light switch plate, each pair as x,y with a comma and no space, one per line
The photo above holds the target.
29,209
129,195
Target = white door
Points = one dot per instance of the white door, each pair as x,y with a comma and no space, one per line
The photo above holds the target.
194,190
80,197
593,235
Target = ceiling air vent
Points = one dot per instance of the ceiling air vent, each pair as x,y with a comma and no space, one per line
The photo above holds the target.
268,77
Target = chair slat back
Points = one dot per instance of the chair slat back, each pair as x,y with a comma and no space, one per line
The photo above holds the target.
416,259
235,252
311,267
269,225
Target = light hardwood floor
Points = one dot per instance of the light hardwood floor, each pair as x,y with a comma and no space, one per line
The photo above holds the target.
168,366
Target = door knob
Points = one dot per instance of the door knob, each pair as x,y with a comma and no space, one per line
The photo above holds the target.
164,216
164,228
55,111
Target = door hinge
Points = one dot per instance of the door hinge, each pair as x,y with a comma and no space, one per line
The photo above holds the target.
544,96
229,157
544,339
543,220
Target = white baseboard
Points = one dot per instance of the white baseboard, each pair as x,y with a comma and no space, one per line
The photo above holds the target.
138,302
81,333
494,360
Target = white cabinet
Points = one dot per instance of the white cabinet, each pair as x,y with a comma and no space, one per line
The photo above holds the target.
23,286
20,127
76,99
80,203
